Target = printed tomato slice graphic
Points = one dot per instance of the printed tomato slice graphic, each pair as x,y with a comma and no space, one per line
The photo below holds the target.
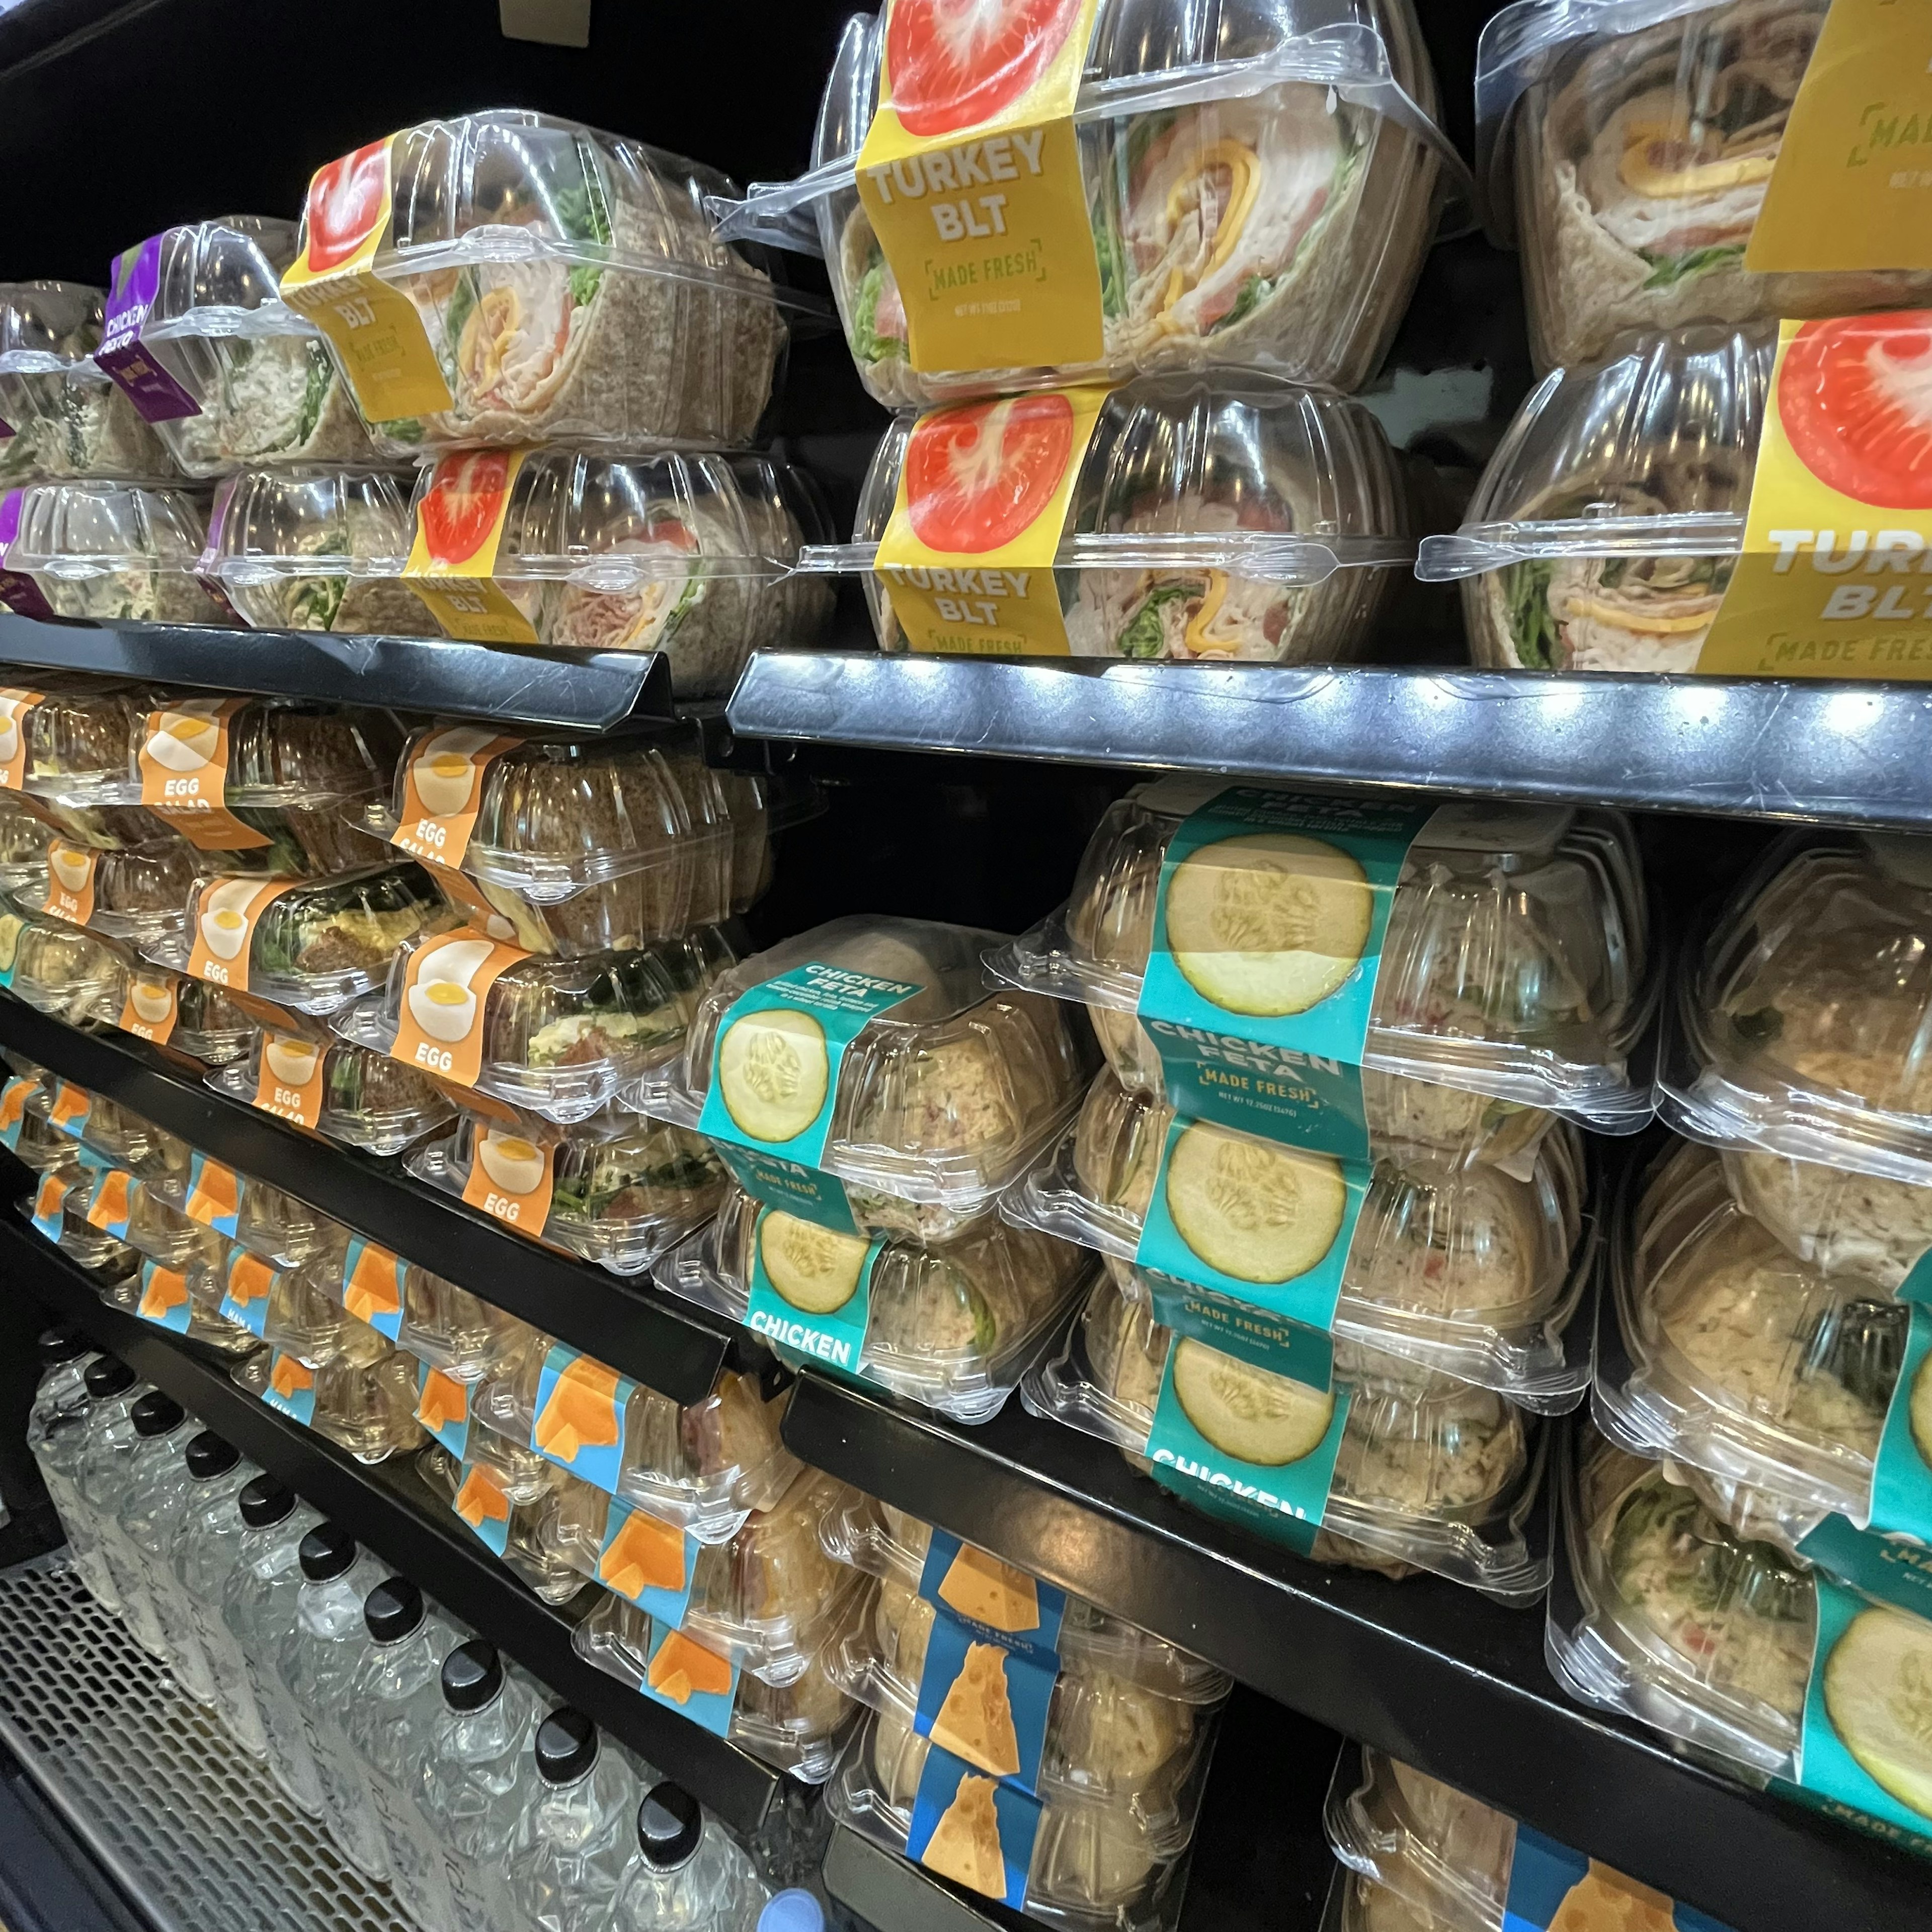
1856,399
955,63
344,200
978,475
459,508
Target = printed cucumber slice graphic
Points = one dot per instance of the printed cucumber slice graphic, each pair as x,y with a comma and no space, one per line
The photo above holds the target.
1878,1695
1920,1414
1267,923
977,476
1250,1210
815,1269
956,63
1854,395
1246,1413
772,1068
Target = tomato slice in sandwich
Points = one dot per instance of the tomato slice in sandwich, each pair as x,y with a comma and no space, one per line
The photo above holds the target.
459,509
955,64
1856,398
977,475
345,202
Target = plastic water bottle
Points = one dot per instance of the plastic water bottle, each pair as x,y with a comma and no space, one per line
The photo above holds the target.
63,1355
105,1473
577,1835
258,1605
150,1518
209,1547
315,1662
394,1702
59,1441
686,1875
479,1777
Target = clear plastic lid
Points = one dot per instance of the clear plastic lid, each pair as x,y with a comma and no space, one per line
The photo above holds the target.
315,549
259,374
1366,1907
149,1152
1840,1220
1804,1027
368,1100
569,282
1262,182
1088,1874
69,418
559,1037
686,555
456,1332
305,1319
480,1490
1604,532
78,757
281,1229
60,969
1632,141
154,1293
41,1145
136,895
208,1027
942,1099
703,1467
143,1218
1516,962
25,836
366,1408
1432,1474
116,553
624,1191
1242,521
1461,1268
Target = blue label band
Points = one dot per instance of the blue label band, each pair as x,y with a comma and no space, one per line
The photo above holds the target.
985,1702
582,1408
972,1829
812,1291
1546,1876
992,1598
651,1564
480,1504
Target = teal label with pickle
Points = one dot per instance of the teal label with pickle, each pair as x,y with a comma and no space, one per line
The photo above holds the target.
1917,1285
1255,1221
1901,1496
972,1829
651,1564
1545,1877
985,1702
1892,1570
1269,920
809,1192
812,1291
1270,1341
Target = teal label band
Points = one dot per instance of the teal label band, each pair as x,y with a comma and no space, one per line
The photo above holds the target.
1901,1498
812,1291
1270,1341
1894,1572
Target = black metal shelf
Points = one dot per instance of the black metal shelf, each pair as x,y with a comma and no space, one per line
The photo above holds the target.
389,1509
1754,749
1424,1670
620,1324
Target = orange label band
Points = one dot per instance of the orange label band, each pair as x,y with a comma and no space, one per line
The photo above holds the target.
225,911
511,1177
445,996
15,705
289,1078
184,767
151,1009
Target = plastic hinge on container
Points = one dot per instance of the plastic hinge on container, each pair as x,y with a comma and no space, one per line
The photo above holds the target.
505,1520
366,1408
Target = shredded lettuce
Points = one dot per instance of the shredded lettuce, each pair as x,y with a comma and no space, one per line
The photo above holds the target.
868,345
584,215
1143,637
321,374
1113,258
1668,271
462,300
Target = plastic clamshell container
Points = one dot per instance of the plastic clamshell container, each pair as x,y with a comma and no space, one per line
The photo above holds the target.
206,1324
78,761
322,942
551,1579
306,1320
703,1467
689,556
1433,1473
63,970
259,374
1263,185
794,1726
136,895
1804,1027
161,1232
149,1152
1241,521
1633,145
1090,1873
624,1190
560,1037
1605,530
952,1326
1515,963
1366,1907
1463,1268
459,1334
116,553
42,1145
892,1545
208,1027
316,549
367,1408
68,416
368,1100
281,1229
572,290
942,1099
24,837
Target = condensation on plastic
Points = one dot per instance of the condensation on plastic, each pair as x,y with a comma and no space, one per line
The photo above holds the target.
137,895
1433,1473
1461,1268
367,1408
1239,521
315,549
624,1190
70,418
952,1326
573,290
24,837
1515,965
368,1100
62,970
523,1551
1323,111
1628,144
942,1099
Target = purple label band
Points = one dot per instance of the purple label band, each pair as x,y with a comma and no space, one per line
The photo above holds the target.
18,592
135,280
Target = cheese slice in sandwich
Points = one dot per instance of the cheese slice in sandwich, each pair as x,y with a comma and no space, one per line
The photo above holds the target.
976,1721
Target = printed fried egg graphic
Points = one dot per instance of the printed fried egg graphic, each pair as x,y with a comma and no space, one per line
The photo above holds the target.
513,1163
183,741
224,919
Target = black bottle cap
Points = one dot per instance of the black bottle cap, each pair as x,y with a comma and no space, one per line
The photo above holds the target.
472,1675
209,1456
109,1376
566,1746
670,1824
326,1551
155,1413
57,1346
392,1609
265,1500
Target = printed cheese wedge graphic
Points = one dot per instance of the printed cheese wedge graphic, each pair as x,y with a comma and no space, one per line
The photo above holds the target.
581,1413
1250,1210
991,1592
1246,1413
681,1668
1603,1900
479,1500
772,1072
289,1379
644,1555
372,1289
965,1843
444,1402
164,1290
976,1721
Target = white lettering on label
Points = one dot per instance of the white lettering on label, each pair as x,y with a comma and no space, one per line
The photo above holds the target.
1903,551
947,170
806,1341
503,1208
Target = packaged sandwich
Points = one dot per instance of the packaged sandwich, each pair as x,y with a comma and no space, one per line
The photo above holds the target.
503,1516
27,1131
137,896
1260,192
567,286
186,1302
24,837
117,1135
203,1021
345,1093
366,1408
58,968
1514,963
953,1326
76,739
296,1311
136,1212
116,553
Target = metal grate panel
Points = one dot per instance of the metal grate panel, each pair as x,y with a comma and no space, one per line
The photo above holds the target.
191,1825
